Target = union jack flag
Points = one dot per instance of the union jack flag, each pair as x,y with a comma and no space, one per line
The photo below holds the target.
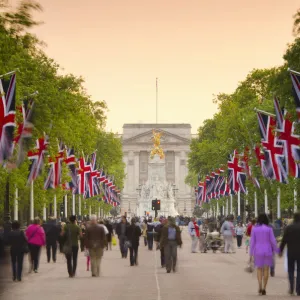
82,171
93,187
53,179
295,76
24,127
70,161
236,174
290,140
7,116
273,151
37,158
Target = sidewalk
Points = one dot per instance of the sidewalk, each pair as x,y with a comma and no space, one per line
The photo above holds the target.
200,276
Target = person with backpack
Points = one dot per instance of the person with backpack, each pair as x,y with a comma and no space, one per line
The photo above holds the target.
36,238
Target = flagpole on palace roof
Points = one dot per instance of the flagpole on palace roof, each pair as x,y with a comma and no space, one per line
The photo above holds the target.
156,98
264,112
9,73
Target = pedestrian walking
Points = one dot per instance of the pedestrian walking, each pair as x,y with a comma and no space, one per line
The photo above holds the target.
193,235
52,237
18,247
239,230
36,239
109,235
82,238
170,240
203,234
150,234
291,239
144,232
133,233
228,232
95,243
71,233
262,247
121,232
248,233
158,230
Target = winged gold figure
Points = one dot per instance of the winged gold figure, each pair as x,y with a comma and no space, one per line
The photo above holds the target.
156,145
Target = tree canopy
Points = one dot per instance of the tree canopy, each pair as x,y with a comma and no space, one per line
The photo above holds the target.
235,124
62,109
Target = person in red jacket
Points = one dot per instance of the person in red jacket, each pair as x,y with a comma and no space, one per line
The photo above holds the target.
248,233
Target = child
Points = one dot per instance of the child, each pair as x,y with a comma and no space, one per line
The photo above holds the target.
88,259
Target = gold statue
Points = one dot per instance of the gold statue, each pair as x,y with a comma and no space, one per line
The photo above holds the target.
156,145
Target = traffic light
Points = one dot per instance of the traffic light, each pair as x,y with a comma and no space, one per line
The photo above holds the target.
153,204
157,204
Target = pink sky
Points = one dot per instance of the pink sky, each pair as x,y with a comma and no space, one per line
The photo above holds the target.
196,48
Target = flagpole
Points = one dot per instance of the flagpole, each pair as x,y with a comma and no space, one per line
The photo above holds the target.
292,71
239,203
30,95
44,212
266,202
255,205
156,99
73,205
79,205
217,214
16,206
278,204
55,207
9,73
66,206
264,112
31,202
227,206
295,200
231,208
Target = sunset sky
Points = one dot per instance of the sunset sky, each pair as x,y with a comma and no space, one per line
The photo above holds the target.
196,48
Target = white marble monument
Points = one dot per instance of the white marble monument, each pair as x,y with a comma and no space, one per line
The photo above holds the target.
156,188
137,145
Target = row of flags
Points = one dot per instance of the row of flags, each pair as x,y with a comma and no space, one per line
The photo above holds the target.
86,178
277,156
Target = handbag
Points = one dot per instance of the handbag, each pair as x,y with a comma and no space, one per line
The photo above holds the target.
250,266
67,247
114,241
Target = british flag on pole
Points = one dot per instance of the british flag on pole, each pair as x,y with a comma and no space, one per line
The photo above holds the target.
7,116
236,173
289,139
53,179
273,151
36,156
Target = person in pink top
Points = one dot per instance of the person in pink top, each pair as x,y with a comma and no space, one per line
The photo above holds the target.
36,239
263,245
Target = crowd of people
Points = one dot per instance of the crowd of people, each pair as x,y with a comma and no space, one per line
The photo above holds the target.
93,238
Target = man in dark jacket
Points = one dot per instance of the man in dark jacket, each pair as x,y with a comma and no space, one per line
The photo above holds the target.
121,232
291,238
52,232
170,240
158,230
133,233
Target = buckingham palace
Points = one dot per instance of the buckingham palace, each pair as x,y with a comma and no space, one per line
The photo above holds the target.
137,145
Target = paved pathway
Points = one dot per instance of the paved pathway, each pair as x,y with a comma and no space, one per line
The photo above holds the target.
200,276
